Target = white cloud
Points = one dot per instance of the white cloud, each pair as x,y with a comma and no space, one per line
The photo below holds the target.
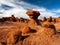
20,7
56,11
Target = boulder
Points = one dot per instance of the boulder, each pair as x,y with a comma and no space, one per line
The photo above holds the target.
25,30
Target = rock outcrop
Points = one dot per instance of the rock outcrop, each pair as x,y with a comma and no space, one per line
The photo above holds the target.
44,19
49,25
13,37
49,19
26,30
46,36
58,19
33,15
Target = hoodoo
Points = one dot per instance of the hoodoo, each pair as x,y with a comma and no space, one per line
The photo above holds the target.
33,15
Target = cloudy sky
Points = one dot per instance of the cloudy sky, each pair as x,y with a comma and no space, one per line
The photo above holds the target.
19,7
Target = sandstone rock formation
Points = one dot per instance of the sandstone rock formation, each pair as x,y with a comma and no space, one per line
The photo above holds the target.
43,37
17,19
58,19
13,18
33,16
13,37
53,20
21,20
20,31
49,25
49,19
1,20
44,19
26,30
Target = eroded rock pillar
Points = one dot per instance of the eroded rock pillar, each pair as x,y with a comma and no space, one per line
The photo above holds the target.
33,15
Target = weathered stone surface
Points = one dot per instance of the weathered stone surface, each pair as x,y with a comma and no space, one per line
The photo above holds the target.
17,19
46,36
49,19
13,37
1,20
44,19
33,16
26,30
49,25
58,19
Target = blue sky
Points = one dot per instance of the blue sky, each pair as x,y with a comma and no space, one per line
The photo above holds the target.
19,7
49,4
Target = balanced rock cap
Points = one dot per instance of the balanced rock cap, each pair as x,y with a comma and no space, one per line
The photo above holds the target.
33,13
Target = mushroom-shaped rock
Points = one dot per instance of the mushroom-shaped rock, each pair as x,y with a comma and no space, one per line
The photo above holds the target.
33,16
